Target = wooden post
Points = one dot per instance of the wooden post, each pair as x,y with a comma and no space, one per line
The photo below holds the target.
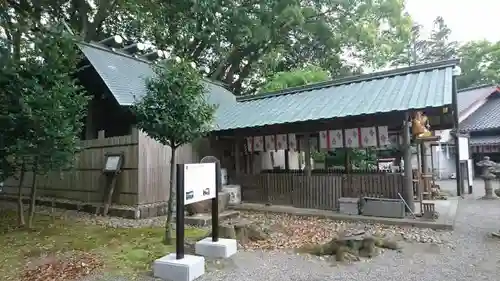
237,156
408,175
101,134
307,154
287,160
454,105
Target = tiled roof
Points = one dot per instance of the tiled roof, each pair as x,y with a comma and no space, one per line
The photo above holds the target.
484,118
484,140
468,96
124,75
417,87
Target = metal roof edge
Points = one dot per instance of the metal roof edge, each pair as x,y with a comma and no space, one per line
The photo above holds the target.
472,88
117,52
356,79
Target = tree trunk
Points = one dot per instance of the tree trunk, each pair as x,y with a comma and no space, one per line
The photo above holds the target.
31,213
170,204
20,205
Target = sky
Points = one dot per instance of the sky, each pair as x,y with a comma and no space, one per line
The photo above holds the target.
468,20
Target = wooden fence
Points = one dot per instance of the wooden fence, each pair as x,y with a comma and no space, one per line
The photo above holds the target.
321,190
85,182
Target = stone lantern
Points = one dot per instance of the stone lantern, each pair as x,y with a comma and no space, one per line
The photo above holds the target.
488,168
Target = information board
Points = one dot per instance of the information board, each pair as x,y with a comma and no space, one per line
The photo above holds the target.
199,182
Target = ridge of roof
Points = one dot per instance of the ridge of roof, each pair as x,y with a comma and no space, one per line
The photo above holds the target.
139,59
478,87
356,79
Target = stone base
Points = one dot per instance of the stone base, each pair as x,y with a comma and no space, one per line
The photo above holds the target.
489,197
186,269
224,248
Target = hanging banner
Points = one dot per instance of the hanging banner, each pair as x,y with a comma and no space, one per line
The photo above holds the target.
292,142
250,144
336,139
270,142
383,136
352,138
313,143
258,143
330,139
324,140
368,137
281,142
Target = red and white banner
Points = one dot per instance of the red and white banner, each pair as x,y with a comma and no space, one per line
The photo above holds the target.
258,143
281,142
270,142
352,138
292,142
383,136
368,137
330,139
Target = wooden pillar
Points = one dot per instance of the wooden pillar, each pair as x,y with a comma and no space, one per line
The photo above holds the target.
426,176
287,159
237,156
89,122
456,133
307,154
101,134
408,175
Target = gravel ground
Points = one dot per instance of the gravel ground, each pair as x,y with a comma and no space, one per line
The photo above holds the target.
468,253
475,256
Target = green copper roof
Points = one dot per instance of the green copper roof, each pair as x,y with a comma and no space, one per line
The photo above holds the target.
416,87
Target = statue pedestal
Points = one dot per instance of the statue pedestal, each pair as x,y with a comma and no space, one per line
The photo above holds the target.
488,191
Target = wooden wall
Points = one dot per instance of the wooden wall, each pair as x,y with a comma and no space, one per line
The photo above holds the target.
85,182
154,168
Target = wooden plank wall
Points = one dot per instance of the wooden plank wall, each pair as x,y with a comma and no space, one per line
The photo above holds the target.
154,168
319,191
86,183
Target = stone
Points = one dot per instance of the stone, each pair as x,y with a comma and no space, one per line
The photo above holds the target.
223,248
205,207
187,269
489,168
497,192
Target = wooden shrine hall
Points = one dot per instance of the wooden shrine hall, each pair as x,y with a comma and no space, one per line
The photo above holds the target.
370,111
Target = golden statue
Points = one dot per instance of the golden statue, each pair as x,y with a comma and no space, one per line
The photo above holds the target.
420,127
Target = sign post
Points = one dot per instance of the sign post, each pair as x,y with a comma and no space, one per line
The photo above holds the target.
179,221
215,247
195,183
215,203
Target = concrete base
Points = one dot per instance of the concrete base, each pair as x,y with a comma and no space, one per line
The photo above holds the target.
224,248
186,269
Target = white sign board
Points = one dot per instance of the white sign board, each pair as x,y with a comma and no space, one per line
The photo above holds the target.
199,182
463,154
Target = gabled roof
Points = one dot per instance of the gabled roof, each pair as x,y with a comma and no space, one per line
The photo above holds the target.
484,118
468,96
124,75
417,87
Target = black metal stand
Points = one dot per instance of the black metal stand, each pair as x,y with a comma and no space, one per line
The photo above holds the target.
215,203
179,221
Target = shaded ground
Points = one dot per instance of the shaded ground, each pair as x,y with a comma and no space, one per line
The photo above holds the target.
468,253
60,248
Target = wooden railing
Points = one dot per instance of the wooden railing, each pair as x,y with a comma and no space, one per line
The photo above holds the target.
320,190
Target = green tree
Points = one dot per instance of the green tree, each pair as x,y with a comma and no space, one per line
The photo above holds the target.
480,63
295,78
436,47
44,107
174,112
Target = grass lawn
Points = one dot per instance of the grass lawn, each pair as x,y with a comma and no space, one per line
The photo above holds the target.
128,251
